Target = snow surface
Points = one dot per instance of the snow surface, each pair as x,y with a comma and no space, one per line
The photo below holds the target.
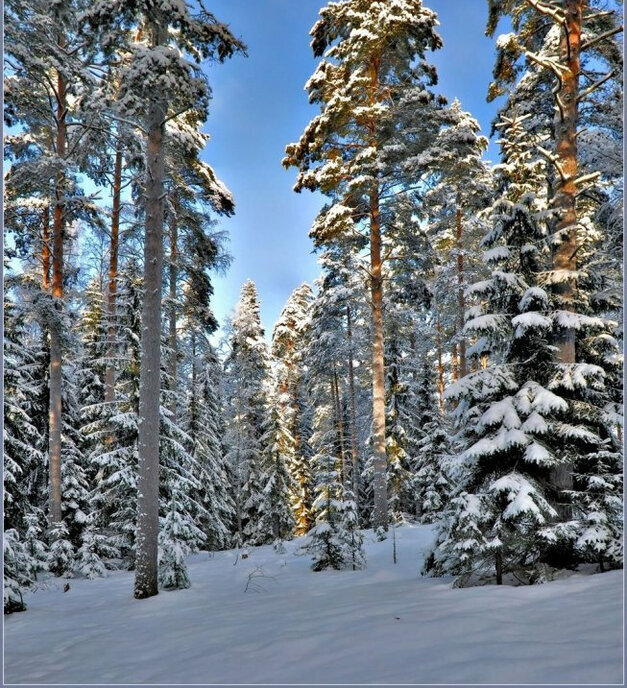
381,625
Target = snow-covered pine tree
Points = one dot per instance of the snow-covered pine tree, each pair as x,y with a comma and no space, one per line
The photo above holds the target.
374,76
246,370
162,77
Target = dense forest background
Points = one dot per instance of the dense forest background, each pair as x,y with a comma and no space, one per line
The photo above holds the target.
458,361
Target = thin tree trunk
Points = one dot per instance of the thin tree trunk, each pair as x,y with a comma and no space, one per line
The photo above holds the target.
56,343
455,359
45,249
438,328
146,573
461,301
564,253
172,335
112,292
340,425
353,414
498,565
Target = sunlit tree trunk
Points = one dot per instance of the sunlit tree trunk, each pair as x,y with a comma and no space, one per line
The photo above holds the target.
56,344
146,580
565,190
380,514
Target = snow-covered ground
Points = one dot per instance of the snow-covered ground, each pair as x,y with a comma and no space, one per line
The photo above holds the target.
381,625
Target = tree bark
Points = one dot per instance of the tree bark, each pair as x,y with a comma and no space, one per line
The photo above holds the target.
339,424
353,414
109,394
172,334
45,249
455,359
564,252
380,513
461,301
56,341
146,572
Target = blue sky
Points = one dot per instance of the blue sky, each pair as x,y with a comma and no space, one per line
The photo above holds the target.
259,105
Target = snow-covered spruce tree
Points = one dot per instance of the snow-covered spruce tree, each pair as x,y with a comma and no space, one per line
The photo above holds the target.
16,570
177,538
350,533
431,482
583,63
23,442
112,435
289,338
326,539
373,76
502,499
276,520
246,370
204,424
161,77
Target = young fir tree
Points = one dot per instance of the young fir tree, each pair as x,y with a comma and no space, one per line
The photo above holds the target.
276,520
205,427
431,482
364,148
326,542
246,369
112,434
289,338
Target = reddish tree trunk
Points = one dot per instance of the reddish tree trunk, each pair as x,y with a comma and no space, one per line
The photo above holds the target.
56,343
564,252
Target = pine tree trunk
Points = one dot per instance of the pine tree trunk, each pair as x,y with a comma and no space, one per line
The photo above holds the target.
380,513
56,343
146,574
109,394
351,388
564,253
498,565
45,249
461,301
339,425
438,329
172,336
455,359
